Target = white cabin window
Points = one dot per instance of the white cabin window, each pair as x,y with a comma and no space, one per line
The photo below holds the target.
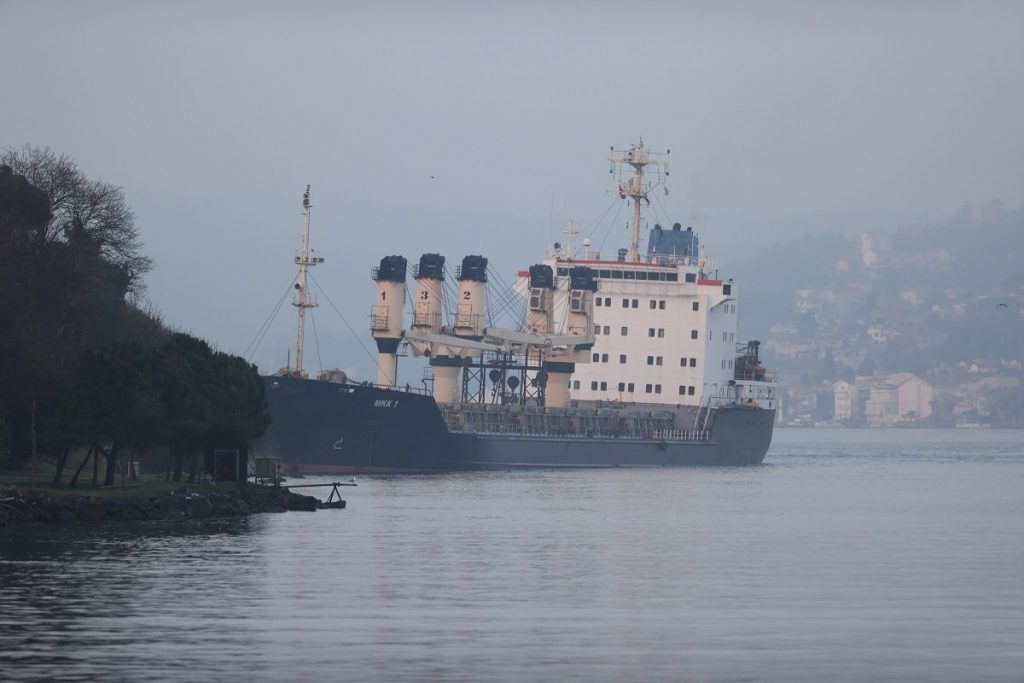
693,362
607,330
696,306
630,387
604,386
661,332
576,384
624,331
654,304
650,331
658,360
593,386
622,358
597,301
604,358
648,389
622,386
661,304
596,357
657,388
693,334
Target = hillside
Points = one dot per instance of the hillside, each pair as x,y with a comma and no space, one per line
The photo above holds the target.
945,302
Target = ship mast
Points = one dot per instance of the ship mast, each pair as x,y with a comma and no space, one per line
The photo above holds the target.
569,230
634,185
303,299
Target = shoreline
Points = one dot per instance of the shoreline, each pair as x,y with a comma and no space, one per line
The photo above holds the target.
20,506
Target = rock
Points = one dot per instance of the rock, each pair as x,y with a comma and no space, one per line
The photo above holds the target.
199,507
17,507
169,507
90,510
295,501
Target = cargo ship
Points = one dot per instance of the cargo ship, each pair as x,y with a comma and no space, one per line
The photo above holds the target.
630,359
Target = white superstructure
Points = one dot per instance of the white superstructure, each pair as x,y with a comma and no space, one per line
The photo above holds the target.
654,328
663,333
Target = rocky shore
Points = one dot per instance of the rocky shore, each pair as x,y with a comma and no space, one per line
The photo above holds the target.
25,506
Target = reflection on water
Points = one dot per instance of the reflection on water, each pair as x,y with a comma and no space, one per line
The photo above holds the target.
849,556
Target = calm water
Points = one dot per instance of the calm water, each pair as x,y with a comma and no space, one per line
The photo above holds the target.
851,555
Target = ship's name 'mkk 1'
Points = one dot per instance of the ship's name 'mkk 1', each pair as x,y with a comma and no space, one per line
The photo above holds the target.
386,403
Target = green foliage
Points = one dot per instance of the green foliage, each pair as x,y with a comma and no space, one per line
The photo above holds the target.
103,371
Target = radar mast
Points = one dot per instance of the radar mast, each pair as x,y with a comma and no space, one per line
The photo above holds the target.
302,298
629,167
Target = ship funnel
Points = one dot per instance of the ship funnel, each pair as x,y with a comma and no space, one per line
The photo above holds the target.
386,316
539,315
471,306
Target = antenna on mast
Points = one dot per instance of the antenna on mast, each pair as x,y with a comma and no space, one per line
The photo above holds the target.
303,299
569,230
633,184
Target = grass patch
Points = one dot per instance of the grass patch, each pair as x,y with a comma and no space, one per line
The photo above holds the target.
146,486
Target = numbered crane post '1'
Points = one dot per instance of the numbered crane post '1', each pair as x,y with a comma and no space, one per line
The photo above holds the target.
386,321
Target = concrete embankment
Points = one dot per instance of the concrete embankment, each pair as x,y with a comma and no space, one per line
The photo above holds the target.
26,506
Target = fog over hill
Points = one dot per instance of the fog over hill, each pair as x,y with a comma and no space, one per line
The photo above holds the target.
481,128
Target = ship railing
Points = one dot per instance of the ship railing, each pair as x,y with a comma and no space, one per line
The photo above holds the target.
683,435
406,388
461,420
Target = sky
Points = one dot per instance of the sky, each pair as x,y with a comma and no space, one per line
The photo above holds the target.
469,127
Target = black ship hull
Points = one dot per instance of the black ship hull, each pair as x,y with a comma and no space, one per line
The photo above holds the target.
324,427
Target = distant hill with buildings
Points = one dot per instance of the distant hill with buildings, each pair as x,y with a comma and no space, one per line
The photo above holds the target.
943,304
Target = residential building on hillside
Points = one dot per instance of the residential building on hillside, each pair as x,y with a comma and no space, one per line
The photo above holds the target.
844,394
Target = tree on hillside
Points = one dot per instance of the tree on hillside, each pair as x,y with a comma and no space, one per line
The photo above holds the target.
218,402
119,390
242,414
77,205
69,261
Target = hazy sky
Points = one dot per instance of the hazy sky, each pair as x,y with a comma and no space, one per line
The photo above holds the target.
782,118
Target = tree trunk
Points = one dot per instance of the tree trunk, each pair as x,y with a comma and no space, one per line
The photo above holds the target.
179,465
33,421
243,465
81,466
193,468
59,474
96,465
108,480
